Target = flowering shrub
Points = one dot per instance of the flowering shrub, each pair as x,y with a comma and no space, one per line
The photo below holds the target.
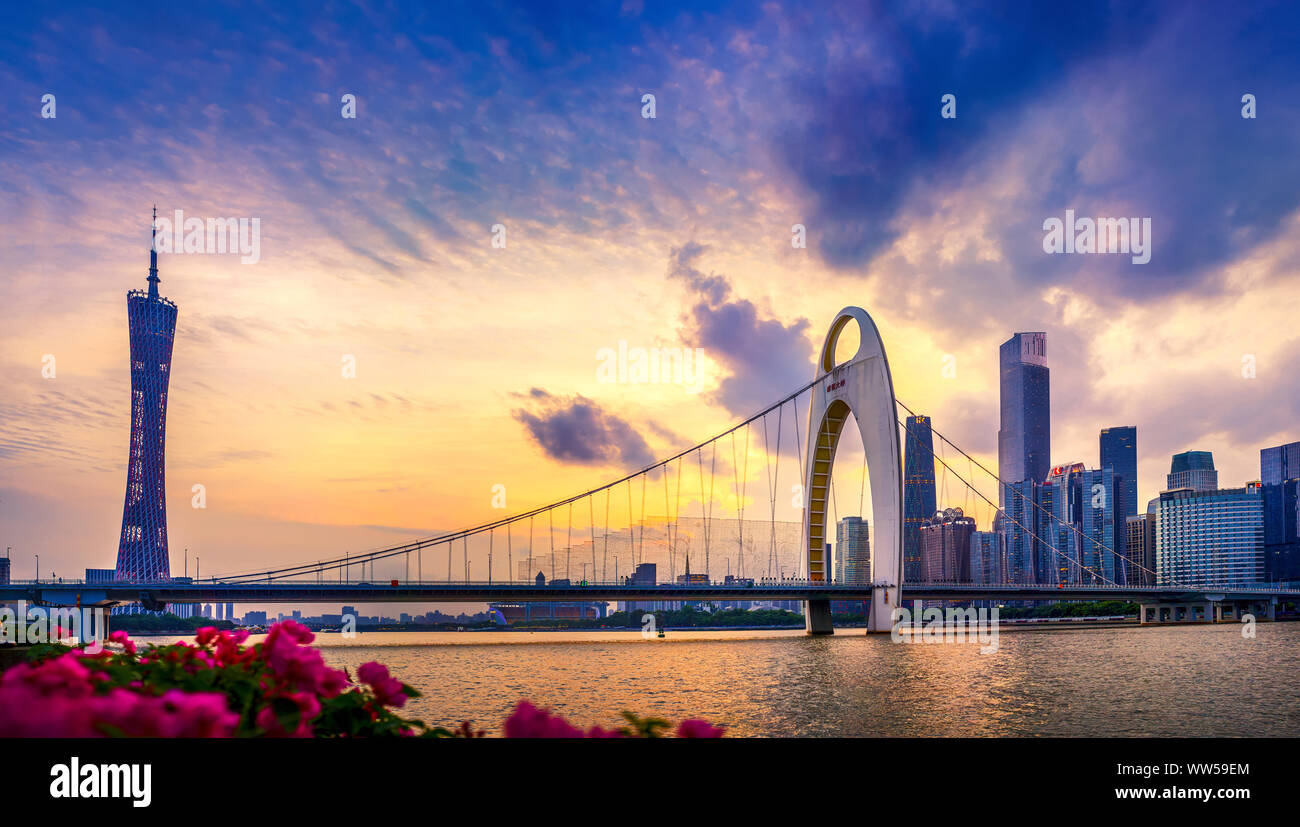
215,687
219,687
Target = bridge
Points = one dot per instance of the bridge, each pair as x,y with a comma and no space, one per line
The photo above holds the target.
860,386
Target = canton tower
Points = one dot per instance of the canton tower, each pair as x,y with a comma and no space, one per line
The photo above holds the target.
142,550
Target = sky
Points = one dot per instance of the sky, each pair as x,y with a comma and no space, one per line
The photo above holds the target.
477,364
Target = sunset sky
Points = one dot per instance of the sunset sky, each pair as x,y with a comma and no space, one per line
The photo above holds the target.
476,365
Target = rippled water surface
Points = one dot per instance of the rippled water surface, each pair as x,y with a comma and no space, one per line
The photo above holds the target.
1194,680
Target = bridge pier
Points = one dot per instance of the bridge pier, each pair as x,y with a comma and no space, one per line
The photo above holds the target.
817,617
1207,611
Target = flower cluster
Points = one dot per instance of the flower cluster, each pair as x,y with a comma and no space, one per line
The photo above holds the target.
215,687
62,698
220,687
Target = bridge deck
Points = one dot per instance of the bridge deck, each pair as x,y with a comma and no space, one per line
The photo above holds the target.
86,594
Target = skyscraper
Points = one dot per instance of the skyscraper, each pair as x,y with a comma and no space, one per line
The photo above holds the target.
1279,464
1282,531
1103,527
142,548
987,557
918,492
1119,453
853,542
1024,437
1194,470
1024,518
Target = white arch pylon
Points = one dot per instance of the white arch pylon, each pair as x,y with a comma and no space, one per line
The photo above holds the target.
861,386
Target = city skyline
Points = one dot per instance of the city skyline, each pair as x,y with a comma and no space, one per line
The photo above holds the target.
462,384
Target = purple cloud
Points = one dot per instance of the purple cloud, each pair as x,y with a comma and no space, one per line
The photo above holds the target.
578,431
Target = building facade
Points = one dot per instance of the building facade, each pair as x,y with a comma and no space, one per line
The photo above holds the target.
1101,521
142,545
853,541
1020,522
1279,464
1282,531
1210,538
946,547
987,558
1140,550
1119,453
918,491
1194,470
1024,435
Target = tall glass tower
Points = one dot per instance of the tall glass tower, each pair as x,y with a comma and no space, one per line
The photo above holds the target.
918,492
1119,452
142,549
1024,436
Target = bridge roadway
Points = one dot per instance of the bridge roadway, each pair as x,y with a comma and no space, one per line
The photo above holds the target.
154,594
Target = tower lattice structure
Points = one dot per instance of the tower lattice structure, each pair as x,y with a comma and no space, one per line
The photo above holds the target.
142,549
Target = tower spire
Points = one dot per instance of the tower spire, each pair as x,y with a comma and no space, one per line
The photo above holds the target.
153,257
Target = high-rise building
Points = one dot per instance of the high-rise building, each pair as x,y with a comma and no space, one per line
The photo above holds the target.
1279,464
1194,470
945,547
1212,538
1081,532
142,547
1119,453
1020,522
1102,528
4,571
1282,531
853,539
1024,436
1140,550
987,558
918,491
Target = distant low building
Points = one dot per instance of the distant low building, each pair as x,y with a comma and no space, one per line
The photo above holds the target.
514,612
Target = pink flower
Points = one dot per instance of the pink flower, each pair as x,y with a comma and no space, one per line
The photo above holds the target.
124,639
372,672
206,635
388,691
308,709
527,721
696,728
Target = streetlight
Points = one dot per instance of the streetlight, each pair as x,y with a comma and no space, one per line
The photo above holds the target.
38,568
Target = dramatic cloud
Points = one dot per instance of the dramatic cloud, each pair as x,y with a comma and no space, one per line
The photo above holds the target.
577,430
764,357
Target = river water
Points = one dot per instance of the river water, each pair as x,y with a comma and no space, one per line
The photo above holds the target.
1126,681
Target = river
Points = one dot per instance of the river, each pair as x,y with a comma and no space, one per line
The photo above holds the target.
1127,681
